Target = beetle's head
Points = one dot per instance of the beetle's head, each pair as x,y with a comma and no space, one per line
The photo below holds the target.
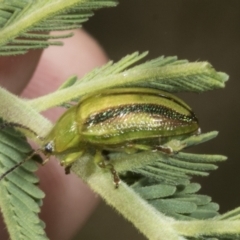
64,136
48,148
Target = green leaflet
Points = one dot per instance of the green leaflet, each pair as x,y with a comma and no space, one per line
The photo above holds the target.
162,73
231,215
164,181
172,169
20,198
187,208
19,18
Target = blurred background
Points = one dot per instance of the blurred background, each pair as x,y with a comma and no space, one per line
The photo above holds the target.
197,30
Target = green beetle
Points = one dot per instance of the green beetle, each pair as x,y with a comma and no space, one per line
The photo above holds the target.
119,119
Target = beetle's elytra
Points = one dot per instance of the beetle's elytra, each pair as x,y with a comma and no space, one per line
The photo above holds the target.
120,119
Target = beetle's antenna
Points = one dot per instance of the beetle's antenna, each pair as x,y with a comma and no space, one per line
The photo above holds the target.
13,124
19,164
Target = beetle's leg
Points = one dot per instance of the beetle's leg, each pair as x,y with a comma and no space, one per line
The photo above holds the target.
45,161
99,160
69,160
164,149
38,159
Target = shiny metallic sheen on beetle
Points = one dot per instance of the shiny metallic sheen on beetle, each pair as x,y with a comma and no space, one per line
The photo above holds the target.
120,119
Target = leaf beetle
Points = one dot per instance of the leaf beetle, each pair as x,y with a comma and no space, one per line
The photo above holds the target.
119,119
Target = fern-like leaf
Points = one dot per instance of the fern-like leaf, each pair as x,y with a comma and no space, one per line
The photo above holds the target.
24,24
162,73
165,73
20,198
181,201
164,180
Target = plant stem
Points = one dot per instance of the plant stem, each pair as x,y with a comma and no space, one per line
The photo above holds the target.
14,109
207,227
153,224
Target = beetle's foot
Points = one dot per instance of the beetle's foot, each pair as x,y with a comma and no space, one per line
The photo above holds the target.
68,169
99,160
116,179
